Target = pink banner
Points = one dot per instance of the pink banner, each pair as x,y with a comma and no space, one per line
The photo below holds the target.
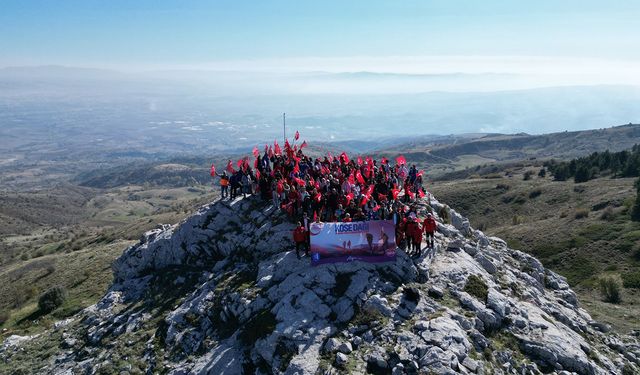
369,241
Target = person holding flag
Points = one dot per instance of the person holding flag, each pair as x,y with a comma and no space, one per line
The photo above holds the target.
224,181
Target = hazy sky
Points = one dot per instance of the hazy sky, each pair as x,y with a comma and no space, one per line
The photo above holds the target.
173,34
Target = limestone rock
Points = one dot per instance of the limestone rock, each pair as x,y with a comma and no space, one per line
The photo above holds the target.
341,359
223,292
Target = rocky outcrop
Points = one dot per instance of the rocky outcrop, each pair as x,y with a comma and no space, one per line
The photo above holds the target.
223,293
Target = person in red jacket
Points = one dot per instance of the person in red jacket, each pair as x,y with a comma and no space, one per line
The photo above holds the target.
430,227
417,238
300,238
410,230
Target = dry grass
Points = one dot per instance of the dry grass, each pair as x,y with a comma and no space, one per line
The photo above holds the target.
584,249
79,256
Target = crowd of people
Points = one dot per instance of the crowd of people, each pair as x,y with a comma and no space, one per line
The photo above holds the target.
332,189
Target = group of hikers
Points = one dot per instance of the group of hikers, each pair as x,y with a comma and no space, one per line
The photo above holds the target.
331,189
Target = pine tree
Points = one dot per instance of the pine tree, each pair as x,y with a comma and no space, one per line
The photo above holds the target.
582,174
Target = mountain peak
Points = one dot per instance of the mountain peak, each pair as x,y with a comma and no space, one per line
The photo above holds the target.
224,293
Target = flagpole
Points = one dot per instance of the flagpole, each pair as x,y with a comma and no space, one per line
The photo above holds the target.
284,127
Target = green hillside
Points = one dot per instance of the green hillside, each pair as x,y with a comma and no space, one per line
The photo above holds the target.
583,231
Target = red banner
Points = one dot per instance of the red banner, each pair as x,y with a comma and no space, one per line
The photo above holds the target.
369,241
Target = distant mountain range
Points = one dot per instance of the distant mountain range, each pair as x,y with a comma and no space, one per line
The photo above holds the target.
500,148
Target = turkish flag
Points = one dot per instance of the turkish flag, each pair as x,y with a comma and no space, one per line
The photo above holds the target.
303,145
213,170
364,201
230,167
369,191
276,148
395,193
401,160
344,157
255,151
385,160
359,160
349,198
297,136
368,170
421,193
359,178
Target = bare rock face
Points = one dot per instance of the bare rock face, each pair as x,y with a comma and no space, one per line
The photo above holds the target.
224,293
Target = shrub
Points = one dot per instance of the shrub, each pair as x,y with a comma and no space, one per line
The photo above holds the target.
507,199
492,176
581,213
517,219
444,215
610,290
608,214
635,210
631,280
52,299
477,287
50,269
4,316
542,173
527,175
535,193
520,199
611,267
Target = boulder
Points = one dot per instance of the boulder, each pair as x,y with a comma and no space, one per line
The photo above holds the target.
471,250
345,348
378,303
341,359
331,345
486,263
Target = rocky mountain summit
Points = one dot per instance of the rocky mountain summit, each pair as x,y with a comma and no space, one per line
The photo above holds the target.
224,293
